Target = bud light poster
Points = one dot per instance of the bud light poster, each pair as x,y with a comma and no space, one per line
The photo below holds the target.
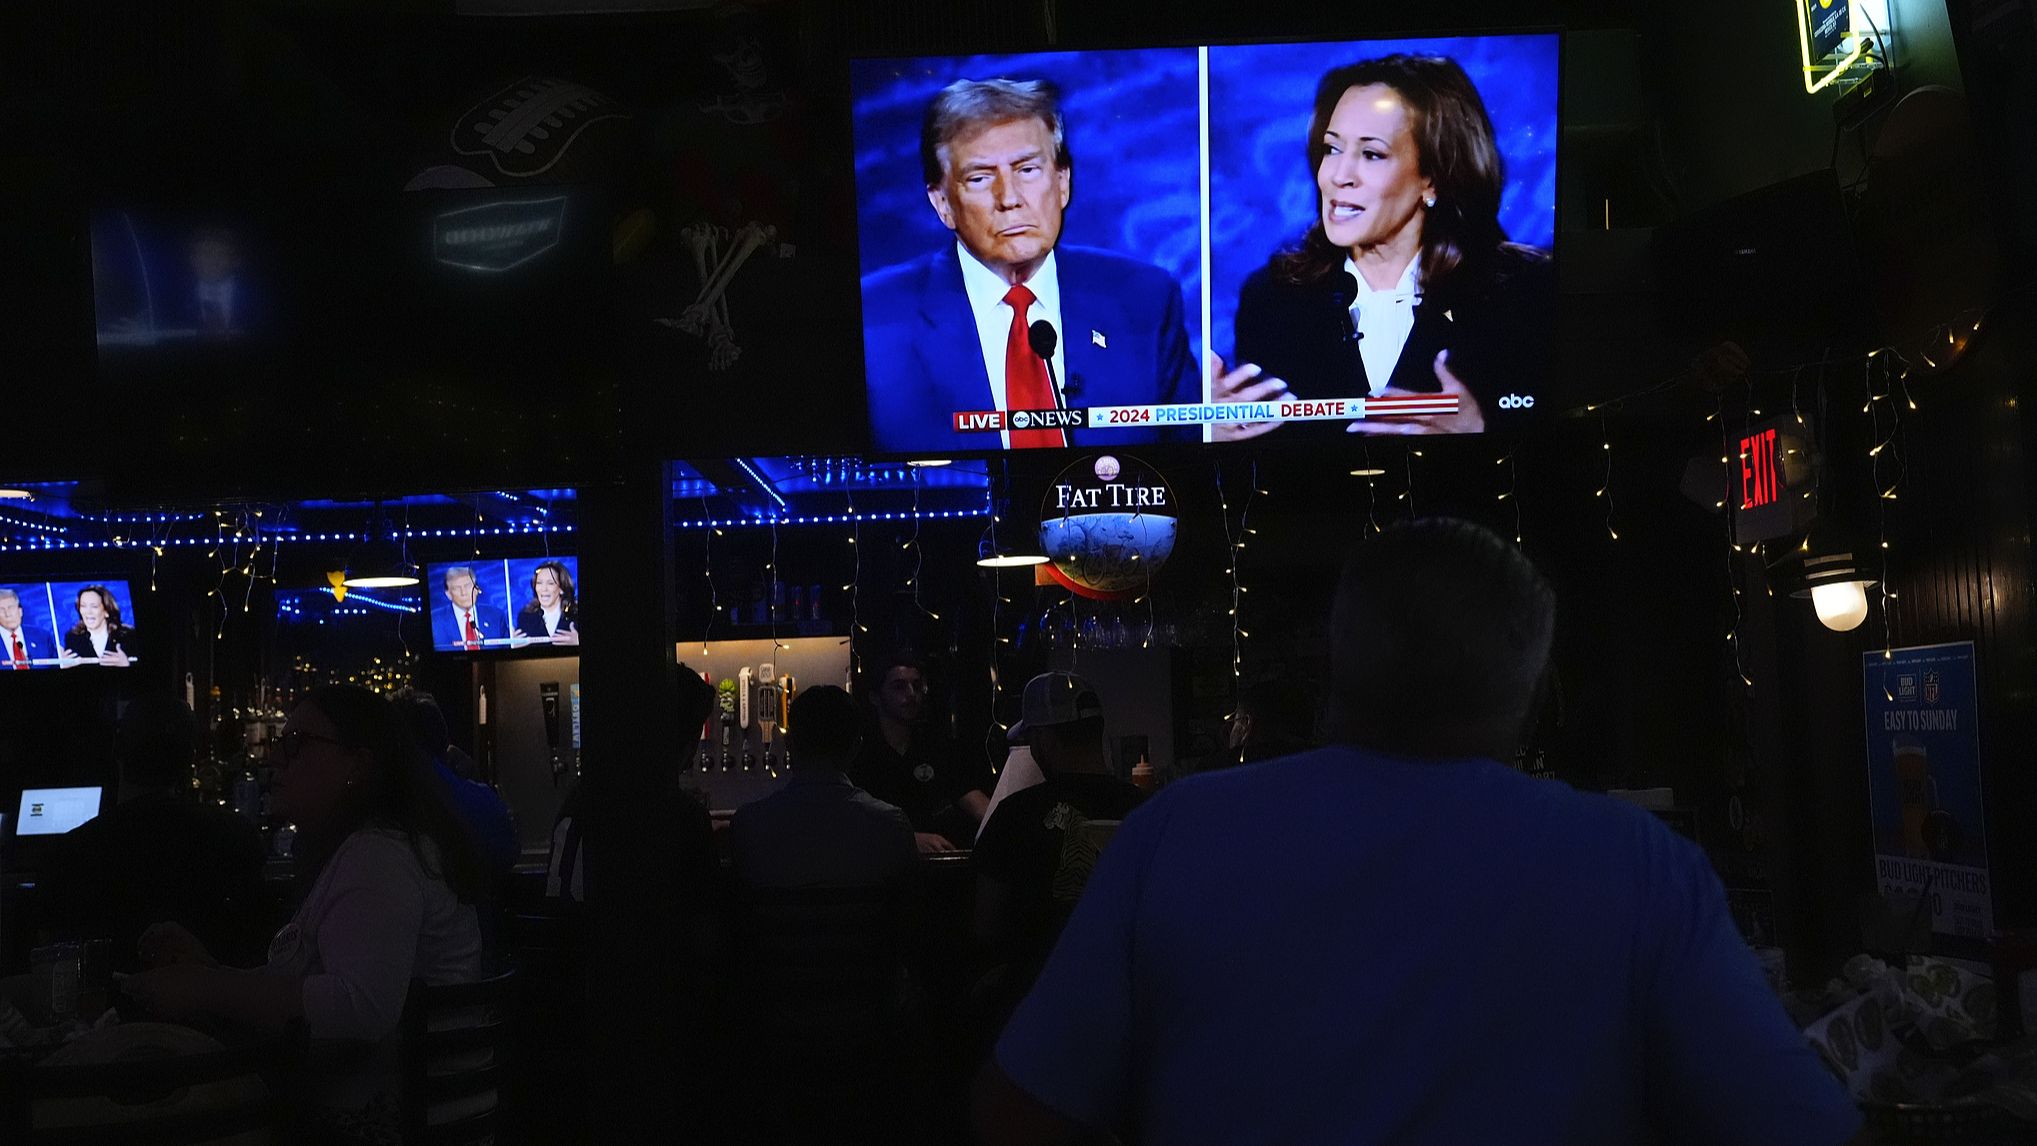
1923,767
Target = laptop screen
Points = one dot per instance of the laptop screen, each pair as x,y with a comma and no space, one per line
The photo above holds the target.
54,811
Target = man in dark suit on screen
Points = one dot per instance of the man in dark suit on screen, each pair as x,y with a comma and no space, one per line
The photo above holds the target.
465,621
957,330
19,643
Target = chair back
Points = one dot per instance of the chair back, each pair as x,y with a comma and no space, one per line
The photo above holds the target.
549,1074
152,1095
456,1040
822,972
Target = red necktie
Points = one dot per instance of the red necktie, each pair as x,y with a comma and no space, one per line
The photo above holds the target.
1026,386
473,634
20,654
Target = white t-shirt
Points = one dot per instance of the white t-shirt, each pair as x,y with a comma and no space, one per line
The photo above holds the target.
373,921
1385,318
1020,772
986,290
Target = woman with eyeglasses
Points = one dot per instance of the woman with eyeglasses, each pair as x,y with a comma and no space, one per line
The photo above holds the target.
392,899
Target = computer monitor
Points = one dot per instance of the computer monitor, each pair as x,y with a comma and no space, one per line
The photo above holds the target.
54,811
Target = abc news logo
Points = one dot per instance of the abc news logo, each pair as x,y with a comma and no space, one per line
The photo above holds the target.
1517,402
975,420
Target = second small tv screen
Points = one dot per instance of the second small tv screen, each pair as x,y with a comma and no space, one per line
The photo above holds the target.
516,603
66,624
1300,242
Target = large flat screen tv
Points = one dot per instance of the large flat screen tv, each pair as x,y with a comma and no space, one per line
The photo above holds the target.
504,604
1293,242
163,277
65,624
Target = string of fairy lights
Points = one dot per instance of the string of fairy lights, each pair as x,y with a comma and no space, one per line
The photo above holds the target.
1232,545
249,544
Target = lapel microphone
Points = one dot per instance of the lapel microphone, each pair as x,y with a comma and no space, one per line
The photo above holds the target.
1043,340
1344,286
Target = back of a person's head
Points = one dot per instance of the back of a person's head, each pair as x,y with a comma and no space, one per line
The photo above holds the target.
824,725
692,701
400,790
1073,743
427,721
1282,714
1439,638
156,741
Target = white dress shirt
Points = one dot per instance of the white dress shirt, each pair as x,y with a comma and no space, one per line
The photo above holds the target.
986,290
463,618
1385,318
7,639
99,639
551,620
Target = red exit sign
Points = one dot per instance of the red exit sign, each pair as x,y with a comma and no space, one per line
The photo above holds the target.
1759,481
1776,480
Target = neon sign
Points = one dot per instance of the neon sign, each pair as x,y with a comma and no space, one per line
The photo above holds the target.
1758,478
1775,480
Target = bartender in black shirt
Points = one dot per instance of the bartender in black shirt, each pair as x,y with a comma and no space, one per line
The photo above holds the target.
907,764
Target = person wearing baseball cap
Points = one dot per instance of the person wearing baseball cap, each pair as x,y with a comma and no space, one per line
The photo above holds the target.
1036,851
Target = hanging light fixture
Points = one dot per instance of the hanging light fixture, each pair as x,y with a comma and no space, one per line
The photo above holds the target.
1010,560
1834,581
991,555
380,563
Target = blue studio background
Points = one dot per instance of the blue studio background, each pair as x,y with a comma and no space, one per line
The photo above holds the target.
1132,126
1261,97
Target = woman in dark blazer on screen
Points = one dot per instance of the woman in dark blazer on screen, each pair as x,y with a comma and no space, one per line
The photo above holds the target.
98,637
1405,283
553,611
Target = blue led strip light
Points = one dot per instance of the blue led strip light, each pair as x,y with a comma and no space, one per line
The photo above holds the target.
261,537
832,519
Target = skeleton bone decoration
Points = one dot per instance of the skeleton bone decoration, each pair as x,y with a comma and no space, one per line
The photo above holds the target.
708,315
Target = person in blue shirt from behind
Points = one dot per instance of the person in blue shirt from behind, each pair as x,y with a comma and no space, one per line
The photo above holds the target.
486,816
1398,939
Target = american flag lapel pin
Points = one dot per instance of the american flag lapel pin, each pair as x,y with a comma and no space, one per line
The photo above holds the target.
1096,338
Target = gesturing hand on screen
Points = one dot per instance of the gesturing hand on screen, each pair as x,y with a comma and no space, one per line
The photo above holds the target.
569,636
518,639
1468,419
113,658
1238,386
